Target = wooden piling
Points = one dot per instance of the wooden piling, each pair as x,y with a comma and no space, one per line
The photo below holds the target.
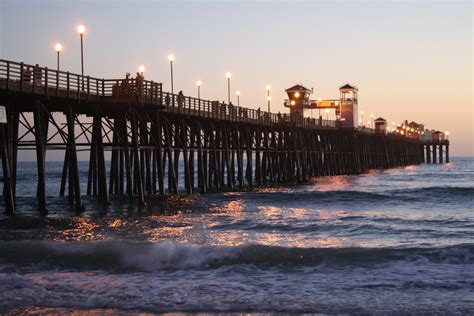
40,158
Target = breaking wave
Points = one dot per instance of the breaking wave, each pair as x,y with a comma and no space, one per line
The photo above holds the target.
118,256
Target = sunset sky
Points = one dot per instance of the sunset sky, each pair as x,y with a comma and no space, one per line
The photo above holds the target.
410,60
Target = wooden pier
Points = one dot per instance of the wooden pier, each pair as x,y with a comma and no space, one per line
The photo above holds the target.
434,151
154,137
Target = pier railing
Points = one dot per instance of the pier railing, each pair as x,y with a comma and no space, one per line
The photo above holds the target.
34,79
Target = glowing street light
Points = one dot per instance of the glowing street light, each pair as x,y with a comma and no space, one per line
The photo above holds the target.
269,98
362,114
198,84
81,29
171,59
141,69
228,75
238,97
58,47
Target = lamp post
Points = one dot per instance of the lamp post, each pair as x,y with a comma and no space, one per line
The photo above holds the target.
269,98
372,120
362,114
81,29
228,75
171,59
238,98
58,47
141,69
198,85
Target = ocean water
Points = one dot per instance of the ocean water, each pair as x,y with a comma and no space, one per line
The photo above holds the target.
399,241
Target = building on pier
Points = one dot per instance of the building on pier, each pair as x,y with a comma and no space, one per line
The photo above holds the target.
345,108
380,125
348,106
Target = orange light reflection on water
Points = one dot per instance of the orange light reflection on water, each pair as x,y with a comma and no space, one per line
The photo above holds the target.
80,229
333,183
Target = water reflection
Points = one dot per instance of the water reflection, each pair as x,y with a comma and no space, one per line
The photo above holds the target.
334,183
79,228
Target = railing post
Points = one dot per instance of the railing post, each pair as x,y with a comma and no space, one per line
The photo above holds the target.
34,80
68,84
8,75
152,92
88,89
161,93
97,89
46,81
103,88
22,70
57,82
78,85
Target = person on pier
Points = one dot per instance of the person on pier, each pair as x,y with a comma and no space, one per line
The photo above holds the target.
38,73
27,74
139,84
180,99
126,84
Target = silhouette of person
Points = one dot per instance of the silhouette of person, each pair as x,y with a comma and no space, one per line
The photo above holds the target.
180,98
27,74
38,73
139,83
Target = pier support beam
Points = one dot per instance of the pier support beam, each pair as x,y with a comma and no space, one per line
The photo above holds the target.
40,156
7,180
447,153
440,153
72,159
99,151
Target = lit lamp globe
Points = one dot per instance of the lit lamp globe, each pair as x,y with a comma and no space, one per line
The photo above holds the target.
198,83
81,29
237,93
228,75
58,47
268,87
141,69
171,58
